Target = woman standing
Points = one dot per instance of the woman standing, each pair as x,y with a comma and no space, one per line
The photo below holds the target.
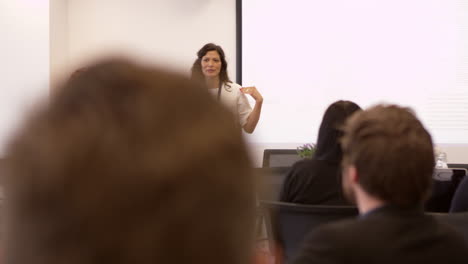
211,67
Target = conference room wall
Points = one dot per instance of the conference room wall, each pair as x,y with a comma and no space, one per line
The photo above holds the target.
164,32
167,32
24,63
343,56
58,27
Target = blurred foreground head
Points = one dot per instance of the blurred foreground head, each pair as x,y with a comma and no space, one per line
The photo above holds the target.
128,164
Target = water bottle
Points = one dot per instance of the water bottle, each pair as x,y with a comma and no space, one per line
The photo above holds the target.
441,160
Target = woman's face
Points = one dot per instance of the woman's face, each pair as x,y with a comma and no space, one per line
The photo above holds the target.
211,64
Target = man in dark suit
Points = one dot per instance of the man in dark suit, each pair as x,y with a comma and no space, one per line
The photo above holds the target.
388,161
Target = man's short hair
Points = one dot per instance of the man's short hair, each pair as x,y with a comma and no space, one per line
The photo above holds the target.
392,152
129,164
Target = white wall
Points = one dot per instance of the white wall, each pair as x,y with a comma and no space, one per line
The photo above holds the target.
24,63
58,38
166,32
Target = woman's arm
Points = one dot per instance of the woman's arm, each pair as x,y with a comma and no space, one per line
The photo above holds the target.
254,116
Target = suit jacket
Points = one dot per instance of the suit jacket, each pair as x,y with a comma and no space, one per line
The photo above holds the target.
313,182
386,235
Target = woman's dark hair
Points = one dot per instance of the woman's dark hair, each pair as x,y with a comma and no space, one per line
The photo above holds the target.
197,73
330,132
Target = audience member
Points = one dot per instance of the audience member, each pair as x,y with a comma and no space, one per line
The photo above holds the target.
318,180
387,170
129,164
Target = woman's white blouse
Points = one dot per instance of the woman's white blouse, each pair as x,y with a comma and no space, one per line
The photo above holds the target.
234,100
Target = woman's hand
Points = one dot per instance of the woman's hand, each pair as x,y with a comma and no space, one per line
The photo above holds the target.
252,91
254,116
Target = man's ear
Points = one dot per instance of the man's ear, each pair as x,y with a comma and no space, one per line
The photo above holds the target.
352,174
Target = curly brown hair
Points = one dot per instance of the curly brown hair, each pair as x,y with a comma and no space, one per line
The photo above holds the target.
129,164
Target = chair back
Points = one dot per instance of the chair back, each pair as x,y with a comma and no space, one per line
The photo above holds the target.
459,201
279,158
458,165
445,183
458,221
288,224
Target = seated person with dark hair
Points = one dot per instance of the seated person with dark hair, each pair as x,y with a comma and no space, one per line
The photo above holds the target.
318,180
388,162
129,164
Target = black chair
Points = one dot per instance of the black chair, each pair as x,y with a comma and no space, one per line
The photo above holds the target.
458,221
460,198
458,165
445,183
288,224
279,158
276,165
